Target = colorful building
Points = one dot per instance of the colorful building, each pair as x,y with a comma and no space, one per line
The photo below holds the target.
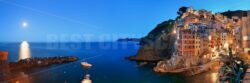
203,33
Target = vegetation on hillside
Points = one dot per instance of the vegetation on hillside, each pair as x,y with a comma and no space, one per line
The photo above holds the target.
164,27
239,13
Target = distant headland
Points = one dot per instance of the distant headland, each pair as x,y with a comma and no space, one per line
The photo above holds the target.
129,40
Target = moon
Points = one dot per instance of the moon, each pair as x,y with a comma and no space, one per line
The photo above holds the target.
24,24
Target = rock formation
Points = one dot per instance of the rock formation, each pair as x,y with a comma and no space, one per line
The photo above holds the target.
158,44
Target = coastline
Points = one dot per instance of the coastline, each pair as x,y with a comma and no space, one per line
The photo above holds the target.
191,71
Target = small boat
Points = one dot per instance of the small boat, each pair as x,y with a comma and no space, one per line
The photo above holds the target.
86,64
87,79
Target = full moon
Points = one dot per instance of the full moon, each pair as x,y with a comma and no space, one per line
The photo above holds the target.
24,24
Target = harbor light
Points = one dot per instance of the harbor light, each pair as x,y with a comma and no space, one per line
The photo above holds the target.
209,38
174,31
245,38
226,45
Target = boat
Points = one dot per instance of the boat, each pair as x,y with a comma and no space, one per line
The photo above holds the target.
87,79
86,64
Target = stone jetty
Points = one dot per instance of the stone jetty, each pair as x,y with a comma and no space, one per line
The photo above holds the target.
40,62
14,72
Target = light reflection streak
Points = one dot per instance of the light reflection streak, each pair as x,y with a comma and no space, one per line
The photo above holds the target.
24,52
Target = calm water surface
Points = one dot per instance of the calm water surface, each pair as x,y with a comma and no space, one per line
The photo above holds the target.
107,58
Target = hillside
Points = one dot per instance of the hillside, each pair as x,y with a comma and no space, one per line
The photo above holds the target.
158,44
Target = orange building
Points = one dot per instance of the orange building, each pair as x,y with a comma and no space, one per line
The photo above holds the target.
204,33
4,66
189,43
3,55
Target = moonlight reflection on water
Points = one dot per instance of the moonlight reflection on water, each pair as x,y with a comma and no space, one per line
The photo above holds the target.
24,50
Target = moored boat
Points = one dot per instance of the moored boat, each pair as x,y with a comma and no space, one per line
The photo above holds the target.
86,64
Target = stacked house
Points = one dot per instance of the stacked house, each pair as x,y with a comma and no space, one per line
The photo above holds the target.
201,33
245,24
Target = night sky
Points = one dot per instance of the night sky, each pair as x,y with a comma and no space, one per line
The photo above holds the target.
104,20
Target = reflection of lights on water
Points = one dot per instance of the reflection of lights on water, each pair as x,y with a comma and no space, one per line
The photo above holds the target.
24,50
21,78
214,77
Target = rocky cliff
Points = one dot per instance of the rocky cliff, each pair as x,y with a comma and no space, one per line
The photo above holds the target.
158,44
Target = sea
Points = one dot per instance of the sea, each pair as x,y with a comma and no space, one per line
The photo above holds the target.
107,58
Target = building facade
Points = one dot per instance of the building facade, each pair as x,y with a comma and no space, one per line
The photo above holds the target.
199,32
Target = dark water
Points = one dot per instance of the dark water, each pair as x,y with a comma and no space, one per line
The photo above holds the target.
107,58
